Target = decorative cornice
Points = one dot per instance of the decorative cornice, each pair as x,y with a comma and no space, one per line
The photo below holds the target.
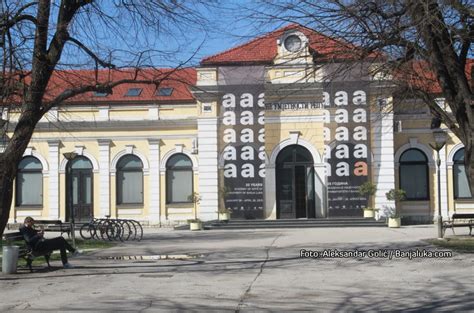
104,142
117,125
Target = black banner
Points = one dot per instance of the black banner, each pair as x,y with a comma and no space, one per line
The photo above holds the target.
347,141
243,136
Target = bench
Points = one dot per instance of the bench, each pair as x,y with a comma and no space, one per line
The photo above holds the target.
26,252
54,225
459,220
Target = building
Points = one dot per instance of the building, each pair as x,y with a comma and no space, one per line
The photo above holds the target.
282,122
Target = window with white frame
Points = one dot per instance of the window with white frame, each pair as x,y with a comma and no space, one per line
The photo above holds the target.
413,170
179,179
29,182
461,184
129,180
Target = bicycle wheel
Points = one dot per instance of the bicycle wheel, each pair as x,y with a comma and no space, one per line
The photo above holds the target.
102,227
96,224
119,229
133,230
87,231
139,229
126,230
113,230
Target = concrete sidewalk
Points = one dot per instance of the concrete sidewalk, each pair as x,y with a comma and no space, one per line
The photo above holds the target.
241,271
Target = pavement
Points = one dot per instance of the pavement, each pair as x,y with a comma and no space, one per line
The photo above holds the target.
253,271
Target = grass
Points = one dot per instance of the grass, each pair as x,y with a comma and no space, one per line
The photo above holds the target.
81,245
461,244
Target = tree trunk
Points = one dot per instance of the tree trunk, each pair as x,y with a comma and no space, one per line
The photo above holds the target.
7,174
450,73
10,159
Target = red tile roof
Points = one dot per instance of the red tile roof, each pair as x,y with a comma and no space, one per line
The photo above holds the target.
419,75
263,50
179,80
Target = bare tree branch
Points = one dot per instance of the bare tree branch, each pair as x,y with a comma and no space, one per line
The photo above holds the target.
34,49
91,54
17,19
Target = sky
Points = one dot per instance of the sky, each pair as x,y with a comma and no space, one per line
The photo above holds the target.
169,43
145,37
229,26
140,33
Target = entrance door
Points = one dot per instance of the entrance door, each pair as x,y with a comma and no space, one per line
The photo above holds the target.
295,183
80,176
285,193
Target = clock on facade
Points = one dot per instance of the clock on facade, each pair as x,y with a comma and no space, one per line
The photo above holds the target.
293,43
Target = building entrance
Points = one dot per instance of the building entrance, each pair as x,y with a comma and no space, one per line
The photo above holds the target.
81,178
295,183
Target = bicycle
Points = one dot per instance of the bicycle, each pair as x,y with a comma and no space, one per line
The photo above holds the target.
112,229
95,229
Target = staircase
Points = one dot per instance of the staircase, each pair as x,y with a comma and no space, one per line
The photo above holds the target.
297,223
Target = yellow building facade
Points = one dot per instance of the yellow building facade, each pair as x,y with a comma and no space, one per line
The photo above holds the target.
266,129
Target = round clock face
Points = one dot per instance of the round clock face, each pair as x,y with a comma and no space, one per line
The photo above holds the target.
293,43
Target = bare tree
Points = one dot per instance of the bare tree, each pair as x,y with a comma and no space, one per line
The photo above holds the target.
40,41
424,46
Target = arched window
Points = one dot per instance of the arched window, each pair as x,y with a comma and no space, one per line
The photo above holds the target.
29,182
80,186
129,180
179,179
81,163
414,174
461,184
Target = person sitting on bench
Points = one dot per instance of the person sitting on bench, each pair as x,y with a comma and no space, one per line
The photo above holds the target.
37,242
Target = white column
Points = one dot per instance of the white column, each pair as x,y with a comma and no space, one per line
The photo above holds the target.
383,165
154,176
53,160
104,176
444,184
320,190
270,192
208,168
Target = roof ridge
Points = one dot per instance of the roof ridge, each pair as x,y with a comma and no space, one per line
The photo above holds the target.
289,26
236,47
308,31
128,69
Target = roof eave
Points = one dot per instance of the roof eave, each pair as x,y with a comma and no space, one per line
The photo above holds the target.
235,63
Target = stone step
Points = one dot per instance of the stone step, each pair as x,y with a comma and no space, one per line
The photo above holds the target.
305,221
276,226
298,223
282,224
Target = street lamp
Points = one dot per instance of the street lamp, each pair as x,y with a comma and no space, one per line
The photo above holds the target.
440,140
69,156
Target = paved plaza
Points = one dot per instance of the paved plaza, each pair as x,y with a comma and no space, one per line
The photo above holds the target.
252,271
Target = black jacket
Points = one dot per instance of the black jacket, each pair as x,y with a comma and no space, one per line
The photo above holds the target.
31,236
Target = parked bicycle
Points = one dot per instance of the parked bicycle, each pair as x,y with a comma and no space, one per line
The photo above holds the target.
111,229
